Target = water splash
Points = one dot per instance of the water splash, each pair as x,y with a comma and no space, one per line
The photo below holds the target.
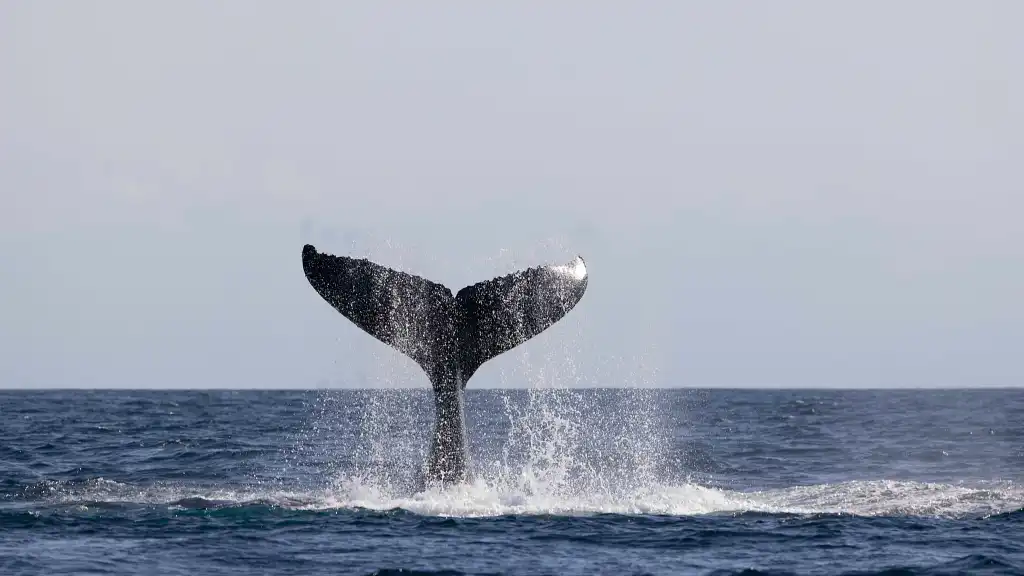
551,443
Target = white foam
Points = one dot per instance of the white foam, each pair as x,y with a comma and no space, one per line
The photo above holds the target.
482,498
858,498
893,498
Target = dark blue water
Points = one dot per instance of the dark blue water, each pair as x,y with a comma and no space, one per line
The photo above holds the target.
566,482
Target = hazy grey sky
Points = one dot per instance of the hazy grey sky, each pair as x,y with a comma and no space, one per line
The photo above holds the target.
766,193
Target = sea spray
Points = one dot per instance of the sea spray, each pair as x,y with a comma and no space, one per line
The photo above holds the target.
552,443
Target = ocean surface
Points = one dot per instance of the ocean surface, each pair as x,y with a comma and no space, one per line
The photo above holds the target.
626,481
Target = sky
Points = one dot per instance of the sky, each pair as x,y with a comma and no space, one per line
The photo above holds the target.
783,194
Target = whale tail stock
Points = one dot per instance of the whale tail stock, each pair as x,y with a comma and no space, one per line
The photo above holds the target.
450,337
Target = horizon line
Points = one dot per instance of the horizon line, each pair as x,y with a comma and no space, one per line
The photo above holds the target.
426,388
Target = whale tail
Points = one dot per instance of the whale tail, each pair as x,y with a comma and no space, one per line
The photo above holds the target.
439,331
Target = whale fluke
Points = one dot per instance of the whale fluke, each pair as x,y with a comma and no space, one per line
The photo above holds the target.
448,336
500,314
404,311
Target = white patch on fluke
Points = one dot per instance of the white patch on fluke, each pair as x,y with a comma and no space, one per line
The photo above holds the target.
578,269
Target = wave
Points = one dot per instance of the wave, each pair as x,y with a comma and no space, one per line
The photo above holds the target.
970,564
877,498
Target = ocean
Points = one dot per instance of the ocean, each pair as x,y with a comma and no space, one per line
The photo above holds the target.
603,481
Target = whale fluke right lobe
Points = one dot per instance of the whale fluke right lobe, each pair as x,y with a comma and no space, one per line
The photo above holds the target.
498,315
